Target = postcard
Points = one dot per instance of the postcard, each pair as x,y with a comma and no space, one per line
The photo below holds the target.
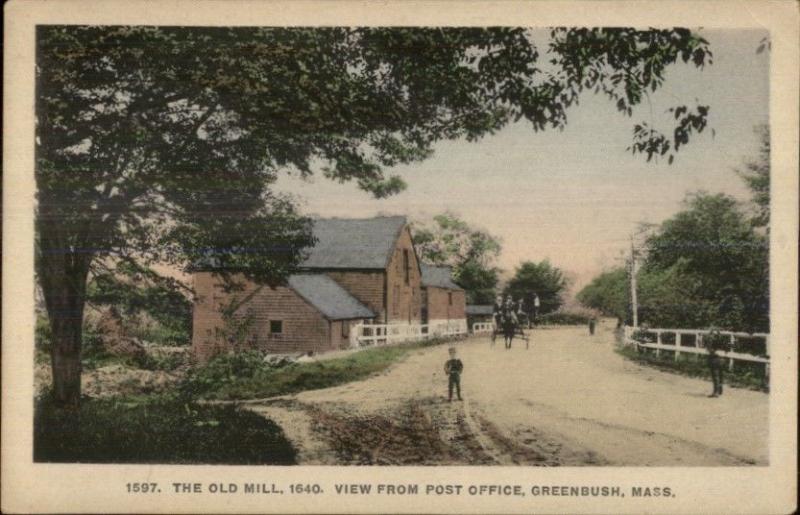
411,257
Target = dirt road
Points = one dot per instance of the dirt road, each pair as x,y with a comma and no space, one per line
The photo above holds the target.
567,400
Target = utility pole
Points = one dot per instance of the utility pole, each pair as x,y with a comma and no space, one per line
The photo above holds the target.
634,300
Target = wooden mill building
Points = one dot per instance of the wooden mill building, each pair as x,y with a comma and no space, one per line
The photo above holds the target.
359,271
443,300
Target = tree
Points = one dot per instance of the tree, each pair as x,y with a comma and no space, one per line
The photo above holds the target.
133,290
609,293
717,263
160,143
470,252
542,279
756,175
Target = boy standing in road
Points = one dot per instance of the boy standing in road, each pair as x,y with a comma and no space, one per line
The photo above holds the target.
453,368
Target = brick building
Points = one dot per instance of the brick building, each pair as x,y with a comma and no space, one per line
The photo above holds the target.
444,302
360,270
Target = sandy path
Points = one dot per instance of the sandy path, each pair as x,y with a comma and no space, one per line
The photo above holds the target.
568,400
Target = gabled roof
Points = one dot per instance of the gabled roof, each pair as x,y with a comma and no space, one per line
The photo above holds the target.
330,299
354,243
438,277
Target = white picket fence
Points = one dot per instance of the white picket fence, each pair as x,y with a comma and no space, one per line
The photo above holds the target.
366,335
698,348
482,327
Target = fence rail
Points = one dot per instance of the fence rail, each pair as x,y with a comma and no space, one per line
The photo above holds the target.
366,335
483,327
678,347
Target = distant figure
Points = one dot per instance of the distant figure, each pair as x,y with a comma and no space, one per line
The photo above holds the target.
497,316
592,322
534,311
509,327
522,315
714,343
508,304
453,368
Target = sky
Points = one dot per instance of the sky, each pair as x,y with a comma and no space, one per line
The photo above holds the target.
574,197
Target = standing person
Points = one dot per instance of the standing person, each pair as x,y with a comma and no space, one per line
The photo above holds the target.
714,343
522,315
535,310
453,368
592,322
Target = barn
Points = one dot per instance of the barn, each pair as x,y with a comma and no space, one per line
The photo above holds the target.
444,302
359,271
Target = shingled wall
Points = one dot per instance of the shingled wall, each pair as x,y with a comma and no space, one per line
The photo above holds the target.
304,328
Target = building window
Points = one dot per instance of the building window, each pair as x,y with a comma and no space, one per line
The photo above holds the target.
276,327
450,298
345,329
406,266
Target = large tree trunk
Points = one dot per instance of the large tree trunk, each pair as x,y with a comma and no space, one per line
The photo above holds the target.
62,275
66,322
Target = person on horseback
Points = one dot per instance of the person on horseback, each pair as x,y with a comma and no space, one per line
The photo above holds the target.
497,316
510,323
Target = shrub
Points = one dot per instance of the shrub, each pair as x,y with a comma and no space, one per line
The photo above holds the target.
94,353
563,318
158,361
162,335
225,369
644,336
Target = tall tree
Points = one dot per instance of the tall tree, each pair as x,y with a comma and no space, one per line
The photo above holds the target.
755,173
609,292
715,260
469,251
162,142
541,279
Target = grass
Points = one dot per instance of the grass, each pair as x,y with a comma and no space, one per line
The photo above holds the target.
156,429
246,376
744,375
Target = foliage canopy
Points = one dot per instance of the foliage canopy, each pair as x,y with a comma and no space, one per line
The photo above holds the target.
707,265
469,251
542,279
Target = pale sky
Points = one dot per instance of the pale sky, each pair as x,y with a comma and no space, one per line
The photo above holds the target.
574,197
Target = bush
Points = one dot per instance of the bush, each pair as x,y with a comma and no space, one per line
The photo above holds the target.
93,351
162,429
563,318
162,335
644,336
158,361
223,370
